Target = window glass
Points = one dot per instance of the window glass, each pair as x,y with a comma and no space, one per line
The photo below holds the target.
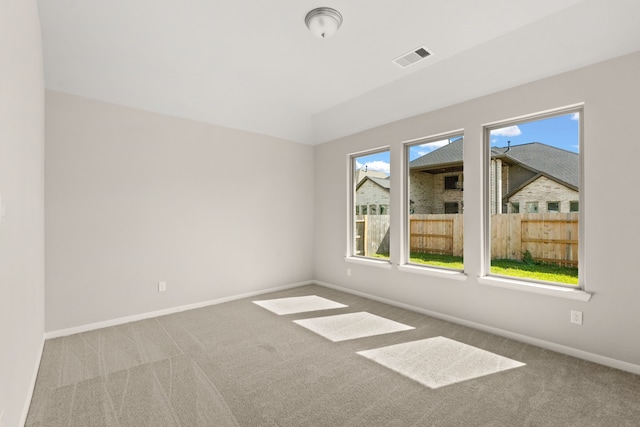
573,206
434,197
532,207
371,192
535,164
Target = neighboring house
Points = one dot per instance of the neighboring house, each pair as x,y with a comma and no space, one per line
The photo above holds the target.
526,178
362,172
372,196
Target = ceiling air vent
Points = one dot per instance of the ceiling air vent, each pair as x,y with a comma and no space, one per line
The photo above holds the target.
412,57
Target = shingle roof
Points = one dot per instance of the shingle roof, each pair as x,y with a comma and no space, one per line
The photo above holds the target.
382,182
554,162
450,153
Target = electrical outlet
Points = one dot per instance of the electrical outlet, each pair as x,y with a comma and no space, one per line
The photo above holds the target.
1,414
162,286
576,317
348,272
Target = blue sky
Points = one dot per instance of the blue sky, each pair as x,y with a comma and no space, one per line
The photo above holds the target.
558,131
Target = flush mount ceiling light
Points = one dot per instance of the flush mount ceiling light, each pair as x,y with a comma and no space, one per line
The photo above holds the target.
323,22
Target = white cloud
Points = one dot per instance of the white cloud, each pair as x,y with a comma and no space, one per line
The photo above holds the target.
379,166
435,144
575,116
508,131
429,147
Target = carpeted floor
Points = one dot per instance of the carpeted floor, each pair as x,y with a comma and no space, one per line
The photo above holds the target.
237,364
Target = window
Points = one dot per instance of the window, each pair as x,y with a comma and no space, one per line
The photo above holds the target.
451,182
541,244
574,206
451,207
370,199
434,223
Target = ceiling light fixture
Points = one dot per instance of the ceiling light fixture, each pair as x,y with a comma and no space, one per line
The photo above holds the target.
323,22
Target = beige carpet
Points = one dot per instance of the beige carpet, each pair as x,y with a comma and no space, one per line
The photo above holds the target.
237,364
342,327
302,304
438,362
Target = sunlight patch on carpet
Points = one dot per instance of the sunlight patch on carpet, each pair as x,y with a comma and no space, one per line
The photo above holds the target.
437,362
349,326
303,304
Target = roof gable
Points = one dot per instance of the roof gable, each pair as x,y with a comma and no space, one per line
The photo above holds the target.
554,162
385,183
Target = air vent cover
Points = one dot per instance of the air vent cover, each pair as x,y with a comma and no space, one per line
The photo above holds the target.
412,57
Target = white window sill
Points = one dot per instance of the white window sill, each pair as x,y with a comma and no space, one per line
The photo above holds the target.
536,288
372,262
435,272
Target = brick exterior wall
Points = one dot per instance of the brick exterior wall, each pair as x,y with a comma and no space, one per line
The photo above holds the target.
428,194
544,190
370,193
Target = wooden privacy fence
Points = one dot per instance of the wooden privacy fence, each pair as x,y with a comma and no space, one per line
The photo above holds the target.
372,234
436,234
549,237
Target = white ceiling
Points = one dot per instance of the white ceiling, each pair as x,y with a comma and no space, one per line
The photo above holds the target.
253,65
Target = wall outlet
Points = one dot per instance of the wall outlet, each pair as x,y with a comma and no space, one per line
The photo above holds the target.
576,317
1,414
162,286
348,272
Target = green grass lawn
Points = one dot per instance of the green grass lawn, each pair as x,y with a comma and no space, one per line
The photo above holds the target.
505,267
447,261
546,272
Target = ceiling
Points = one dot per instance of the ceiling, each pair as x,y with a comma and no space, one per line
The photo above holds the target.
253,65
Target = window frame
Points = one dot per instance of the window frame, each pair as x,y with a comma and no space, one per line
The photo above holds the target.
577,292
405,239
351,255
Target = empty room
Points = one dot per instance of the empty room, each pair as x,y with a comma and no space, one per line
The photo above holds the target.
301,213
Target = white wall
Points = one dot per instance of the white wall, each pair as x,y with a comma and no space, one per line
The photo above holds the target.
22,193
610,92
134,198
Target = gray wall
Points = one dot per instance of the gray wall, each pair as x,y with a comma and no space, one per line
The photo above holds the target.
134,198
610,92
22,193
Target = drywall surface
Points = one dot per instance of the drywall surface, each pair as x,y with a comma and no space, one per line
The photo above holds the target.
21,205
452,80
610,93
135,198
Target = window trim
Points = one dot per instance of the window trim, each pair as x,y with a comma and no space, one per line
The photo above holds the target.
548,288
404,263
351,208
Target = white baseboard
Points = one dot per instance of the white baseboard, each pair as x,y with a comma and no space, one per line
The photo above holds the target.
32,385
163,312
559,348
